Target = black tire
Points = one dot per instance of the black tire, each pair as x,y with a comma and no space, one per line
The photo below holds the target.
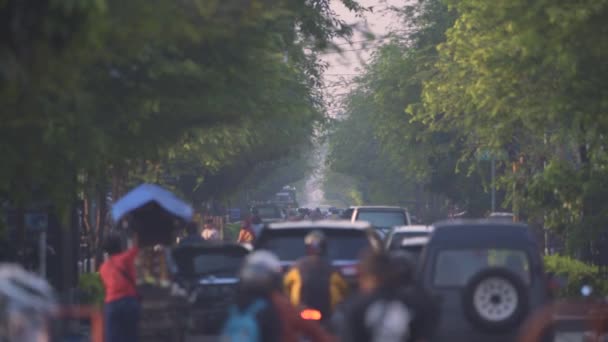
513,320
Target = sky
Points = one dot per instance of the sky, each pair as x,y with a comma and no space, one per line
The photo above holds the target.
343,67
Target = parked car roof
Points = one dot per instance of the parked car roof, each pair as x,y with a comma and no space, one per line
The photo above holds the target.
327,224
387,207
483,231
413,228
415,241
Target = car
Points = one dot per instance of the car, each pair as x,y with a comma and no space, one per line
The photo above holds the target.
397,234
414,246
209,274
502,216
383,218
268,212
487,277
346,240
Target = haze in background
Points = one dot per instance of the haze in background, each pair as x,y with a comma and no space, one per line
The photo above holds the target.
343,67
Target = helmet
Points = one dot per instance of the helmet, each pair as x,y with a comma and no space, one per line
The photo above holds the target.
404,266
316,242
261,269
26,303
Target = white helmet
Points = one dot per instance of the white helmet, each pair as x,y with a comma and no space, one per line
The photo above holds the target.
26,304
261,268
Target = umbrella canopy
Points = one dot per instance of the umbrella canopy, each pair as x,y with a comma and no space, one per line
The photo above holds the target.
150,193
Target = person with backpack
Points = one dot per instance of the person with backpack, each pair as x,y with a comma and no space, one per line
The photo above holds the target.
425,307
122,307
382,311
252,318
312,282
294,327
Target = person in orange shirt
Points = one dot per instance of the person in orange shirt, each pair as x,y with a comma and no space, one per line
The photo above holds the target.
122,307
246,234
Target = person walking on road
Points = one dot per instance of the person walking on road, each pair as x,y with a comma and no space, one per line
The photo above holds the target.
382,311
210,232
312,282
122,307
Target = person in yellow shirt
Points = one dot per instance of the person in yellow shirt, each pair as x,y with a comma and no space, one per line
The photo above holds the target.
312,282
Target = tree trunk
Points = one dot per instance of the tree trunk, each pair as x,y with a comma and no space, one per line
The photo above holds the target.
100,223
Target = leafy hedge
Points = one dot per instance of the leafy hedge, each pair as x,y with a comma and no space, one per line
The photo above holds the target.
91,289
577,273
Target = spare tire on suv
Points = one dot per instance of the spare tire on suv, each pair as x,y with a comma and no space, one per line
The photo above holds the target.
495,300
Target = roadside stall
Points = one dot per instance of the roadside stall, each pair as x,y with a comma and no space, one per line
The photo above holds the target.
155,216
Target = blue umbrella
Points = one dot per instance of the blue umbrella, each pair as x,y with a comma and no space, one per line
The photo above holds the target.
147,193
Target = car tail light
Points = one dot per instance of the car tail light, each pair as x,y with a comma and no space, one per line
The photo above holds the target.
311,314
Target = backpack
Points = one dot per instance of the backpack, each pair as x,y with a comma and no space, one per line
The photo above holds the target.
243,326
315,290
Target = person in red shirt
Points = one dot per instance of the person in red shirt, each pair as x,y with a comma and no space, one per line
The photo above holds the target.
122,307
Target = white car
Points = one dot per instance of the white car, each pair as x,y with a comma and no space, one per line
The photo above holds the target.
398,234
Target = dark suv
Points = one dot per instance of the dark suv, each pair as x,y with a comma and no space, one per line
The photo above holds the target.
345,242
486,275
209,273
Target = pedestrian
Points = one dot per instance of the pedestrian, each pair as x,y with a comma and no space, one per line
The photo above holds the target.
210,232
424,306
193,236
253,318
381,311
122,307
246,234
312,281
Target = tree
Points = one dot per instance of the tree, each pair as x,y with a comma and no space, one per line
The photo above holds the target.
530,78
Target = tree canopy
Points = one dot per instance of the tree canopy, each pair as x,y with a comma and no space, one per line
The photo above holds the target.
522,81
160,88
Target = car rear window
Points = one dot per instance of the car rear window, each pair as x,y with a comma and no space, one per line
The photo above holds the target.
383,219
456,267
397,238
288,244
205,262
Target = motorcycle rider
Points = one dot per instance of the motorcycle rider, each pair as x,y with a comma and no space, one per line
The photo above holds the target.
253,316
293,325
312,281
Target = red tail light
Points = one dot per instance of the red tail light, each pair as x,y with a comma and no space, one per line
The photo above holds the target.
311,314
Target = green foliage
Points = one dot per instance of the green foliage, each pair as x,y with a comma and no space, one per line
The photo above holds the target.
528,78
401,159
231,231
577,274
164,89
91,288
